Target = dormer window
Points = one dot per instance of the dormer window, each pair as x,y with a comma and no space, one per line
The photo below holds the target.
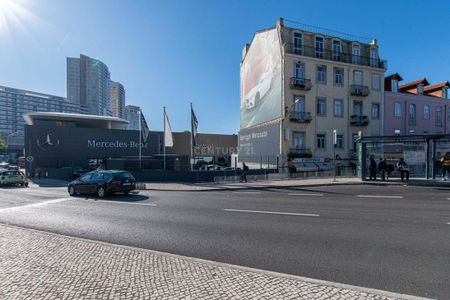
319,47
420,89
445,93
297,42
356,52
337,50
373,57
394,85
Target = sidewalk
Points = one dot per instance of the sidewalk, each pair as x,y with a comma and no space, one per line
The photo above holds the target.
39,265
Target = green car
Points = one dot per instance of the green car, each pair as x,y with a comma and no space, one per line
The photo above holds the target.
12,177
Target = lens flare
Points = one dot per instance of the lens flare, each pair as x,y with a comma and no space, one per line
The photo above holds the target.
12,13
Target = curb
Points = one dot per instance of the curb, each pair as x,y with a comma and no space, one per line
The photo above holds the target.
226,265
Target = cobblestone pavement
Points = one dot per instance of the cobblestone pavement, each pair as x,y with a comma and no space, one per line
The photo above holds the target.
38,265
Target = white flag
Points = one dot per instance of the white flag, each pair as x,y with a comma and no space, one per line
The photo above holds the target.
168,138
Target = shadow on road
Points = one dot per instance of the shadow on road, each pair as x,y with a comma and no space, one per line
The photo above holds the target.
132,197
49,182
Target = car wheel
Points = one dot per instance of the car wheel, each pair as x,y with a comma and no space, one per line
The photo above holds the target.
101,192
71,190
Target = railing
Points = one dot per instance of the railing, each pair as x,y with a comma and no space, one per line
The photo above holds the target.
334,55
359,90
300,83
300,116
356,120
300,150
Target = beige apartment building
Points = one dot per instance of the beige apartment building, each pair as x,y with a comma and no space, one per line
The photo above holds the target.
300,83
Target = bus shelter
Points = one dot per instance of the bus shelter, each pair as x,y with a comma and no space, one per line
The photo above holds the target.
421,152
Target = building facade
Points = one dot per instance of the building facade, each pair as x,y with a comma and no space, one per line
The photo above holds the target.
416,107
117,99
14,103
88,84
132,114
298,84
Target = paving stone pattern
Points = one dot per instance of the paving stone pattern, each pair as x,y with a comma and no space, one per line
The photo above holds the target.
38,265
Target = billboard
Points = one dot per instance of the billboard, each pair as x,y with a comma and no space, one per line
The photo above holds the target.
255,143
261,80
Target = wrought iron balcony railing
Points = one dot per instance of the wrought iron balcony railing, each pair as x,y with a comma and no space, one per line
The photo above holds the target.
359,90
335,56
300,116
356,120
300,83
300,150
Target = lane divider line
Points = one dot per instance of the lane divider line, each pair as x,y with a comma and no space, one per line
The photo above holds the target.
379,196
43,203
270,212
297,194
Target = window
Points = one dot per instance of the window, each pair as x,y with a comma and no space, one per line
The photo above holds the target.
337,50
376,82
321,106
320,141
426,112
321,76
338,76
373,57
355,54
397,109
439,116
420,89
340,141
375,111
448,113
299,71
412,114
299,104
297,43
338,108
357,78
394,85
445,93
357,108
298,140
319,47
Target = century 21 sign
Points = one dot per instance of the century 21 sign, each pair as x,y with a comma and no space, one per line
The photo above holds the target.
114,144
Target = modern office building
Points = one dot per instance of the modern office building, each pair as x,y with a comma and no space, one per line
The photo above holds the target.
14,103
299,83
117,99
132,113
416,107
88,84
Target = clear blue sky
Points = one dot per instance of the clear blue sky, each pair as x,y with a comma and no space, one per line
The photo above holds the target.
171,52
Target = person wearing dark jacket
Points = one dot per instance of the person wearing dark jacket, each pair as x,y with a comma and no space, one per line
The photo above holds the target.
244,173
372,168
382,168
403,168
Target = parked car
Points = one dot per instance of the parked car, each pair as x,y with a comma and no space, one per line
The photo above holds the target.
12,177
102,183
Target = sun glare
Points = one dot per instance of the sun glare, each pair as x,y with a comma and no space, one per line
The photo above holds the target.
12,13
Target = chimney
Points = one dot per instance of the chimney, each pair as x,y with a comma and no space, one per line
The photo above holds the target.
280,22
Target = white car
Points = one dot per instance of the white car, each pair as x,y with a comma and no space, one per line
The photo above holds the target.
259,90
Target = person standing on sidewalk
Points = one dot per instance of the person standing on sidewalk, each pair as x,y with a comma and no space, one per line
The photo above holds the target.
382,166
445,162
403,168
244,172
372,168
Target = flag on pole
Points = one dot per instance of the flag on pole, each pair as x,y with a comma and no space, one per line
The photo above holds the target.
144,128
194,126
168,137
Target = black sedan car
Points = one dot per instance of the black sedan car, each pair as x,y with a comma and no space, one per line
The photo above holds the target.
102,183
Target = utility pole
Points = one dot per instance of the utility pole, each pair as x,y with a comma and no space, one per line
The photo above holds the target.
334,153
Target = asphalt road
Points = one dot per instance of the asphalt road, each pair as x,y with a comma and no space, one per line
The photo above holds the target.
394,238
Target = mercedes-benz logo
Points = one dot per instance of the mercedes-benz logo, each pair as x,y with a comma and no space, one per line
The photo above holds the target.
48,142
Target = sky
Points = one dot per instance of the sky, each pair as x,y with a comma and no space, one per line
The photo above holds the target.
173,52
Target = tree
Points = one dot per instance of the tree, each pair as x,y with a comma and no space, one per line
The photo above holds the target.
2,143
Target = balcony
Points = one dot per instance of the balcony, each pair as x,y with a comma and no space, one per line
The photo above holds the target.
356,120
359,90
299,152
335,56
300,116
300,84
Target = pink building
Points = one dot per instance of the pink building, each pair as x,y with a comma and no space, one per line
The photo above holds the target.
416,107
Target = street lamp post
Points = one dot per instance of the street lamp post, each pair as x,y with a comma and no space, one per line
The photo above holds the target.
334,153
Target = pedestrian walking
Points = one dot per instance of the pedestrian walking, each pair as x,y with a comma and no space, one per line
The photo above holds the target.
445,162
372,168
403,168
244,173
382,168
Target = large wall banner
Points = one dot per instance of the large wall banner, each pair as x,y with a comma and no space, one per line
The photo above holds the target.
255,143
261,80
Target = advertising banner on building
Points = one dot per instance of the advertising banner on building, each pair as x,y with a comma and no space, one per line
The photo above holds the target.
257,143
261,80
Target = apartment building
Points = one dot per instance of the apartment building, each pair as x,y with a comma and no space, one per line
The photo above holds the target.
117,99
416,107
299,83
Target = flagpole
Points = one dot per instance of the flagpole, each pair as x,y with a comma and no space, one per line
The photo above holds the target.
164,138
192,137
140,141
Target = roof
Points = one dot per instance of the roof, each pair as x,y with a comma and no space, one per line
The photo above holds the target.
88,121
394,76
424,81
437,86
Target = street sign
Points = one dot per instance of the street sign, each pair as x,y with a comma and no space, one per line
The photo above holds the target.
30,158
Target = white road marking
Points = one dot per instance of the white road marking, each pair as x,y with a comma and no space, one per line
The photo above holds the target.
35,204
270,212
379,196
126,203
296,194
